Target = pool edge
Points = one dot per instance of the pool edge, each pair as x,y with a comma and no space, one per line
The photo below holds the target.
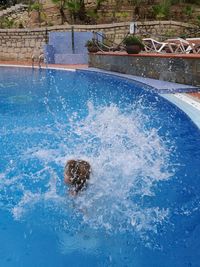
187,105
183,104
172,95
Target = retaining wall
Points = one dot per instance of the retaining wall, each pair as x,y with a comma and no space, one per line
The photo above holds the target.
183,69
20,44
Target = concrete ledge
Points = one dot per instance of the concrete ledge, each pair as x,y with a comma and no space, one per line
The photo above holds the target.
179,68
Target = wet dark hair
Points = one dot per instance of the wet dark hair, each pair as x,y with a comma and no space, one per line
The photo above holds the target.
76,173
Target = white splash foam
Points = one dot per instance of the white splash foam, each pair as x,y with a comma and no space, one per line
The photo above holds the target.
28,199
127,161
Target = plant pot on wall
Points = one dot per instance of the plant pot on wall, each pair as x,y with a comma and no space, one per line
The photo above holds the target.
92,49
133,44
92,46
133,49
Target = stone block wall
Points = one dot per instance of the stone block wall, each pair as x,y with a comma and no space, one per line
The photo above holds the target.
185,69
89,3
20,44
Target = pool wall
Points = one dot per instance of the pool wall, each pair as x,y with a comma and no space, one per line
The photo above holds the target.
180,68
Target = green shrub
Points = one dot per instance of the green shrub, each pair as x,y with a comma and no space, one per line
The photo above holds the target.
188,10
133,40
90,43
6,23
198,21
162,10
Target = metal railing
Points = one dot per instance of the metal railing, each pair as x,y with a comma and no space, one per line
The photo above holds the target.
105,44
37,57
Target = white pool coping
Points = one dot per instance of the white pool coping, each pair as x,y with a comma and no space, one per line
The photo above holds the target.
35,67
187,104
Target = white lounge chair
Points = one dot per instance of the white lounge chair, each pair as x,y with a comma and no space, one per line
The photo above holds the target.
195,44
152,45
183,46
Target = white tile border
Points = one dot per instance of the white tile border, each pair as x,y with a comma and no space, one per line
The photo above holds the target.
189,100
187,104
35,67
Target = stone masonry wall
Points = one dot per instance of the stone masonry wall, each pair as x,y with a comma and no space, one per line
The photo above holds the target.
20,44
172,68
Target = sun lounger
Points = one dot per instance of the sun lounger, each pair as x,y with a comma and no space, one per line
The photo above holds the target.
152,45
183,45
195,44
189,45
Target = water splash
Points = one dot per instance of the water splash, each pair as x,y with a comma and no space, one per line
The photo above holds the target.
127,162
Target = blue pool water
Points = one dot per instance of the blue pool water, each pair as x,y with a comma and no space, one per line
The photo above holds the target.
142,205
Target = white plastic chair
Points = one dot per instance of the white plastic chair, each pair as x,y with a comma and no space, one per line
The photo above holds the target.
195,44
152,45
185,46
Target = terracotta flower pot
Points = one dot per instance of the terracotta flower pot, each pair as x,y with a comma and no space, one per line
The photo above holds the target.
133,49
92,49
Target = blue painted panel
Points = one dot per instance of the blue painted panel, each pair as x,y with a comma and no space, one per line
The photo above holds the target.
59,50
49,54
61,42
71,58
80,38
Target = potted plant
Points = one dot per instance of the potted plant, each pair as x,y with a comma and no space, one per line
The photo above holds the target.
92,46
133,44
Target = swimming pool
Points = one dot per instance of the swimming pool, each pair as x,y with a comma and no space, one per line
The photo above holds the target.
142,206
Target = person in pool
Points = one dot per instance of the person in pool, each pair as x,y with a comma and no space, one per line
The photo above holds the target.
76,174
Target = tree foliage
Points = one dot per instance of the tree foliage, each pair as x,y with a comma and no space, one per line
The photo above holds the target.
162,10
38,7
76,9
61,5
7,3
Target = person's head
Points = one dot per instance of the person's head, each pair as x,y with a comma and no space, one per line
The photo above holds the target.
76,173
